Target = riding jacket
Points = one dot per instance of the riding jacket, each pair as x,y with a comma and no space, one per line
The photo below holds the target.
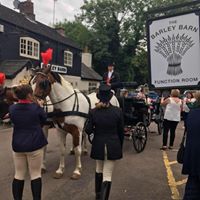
191,163
114,80
27,119
107,126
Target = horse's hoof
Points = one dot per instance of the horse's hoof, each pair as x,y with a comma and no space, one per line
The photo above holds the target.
57,175
71,152
43,171
80,169
75,176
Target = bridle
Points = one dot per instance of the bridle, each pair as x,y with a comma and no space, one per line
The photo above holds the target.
61,100
75,109
45,75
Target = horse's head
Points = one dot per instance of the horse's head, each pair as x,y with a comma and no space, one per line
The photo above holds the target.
41,83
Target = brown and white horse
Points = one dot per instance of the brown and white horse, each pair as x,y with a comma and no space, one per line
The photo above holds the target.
69,103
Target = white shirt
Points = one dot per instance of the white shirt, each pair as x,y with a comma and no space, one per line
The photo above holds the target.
110,74
173,110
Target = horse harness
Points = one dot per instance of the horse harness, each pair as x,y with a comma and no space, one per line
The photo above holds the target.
74,112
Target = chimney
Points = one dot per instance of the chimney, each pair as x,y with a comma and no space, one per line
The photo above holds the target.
61,31
27,8
86,57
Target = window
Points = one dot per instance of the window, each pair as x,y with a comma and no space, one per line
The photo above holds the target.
92,87
29,48
68,58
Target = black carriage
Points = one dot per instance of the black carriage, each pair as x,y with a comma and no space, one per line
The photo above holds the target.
156,115
136,121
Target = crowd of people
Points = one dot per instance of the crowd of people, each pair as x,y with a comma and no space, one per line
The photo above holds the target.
28,139
189,108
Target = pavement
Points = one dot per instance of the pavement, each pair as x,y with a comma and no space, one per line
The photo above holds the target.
150,175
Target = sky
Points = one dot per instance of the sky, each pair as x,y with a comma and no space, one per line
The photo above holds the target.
43,9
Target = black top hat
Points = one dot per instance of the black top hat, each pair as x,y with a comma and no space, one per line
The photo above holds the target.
111,64
104,94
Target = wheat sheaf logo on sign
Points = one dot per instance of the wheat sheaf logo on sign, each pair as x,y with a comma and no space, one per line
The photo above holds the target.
173,49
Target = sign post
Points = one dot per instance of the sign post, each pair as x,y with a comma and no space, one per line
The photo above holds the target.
57,68
174,50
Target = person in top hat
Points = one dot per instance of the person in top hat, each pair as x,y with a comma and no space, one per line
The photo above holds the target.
112,78
106,123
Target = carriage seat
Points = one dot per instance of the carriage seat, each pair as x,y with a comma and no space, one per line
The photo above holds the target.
134,110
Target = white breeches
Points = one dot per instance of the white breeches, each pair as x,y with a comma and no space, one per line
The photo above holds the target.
31,161
106,167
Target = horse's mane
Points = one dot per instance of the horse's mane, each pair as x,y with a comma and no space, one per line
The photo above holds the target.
62,81
57,77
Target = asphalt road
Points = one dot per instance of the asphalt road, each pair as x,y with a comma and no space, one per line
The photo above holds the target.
150,175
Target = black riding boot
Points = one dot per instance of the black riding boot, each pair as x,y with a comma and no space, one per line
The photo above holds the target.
36,187
98,183
17,189
105,190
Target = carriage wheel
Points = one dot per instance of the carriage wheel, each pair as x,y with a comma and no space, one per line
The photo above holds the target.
139,137
147,117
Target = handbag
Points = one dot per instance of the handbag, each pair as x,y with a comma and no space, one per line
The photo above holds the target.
181,150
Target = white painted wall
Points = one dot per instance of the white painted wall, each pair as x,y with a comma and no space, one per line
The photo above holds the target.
82,85
23,75
87,59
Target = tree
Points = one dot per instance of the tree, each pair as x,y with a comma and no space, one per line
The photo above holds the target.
118,26
140,63
76,31
113,29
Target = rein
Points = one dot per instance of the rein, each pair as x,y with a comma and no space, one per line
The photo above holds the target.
60,100
75,110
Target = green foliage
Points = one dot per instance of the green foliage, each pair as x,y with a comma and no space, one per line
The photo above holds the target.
140,63
118,25
76,31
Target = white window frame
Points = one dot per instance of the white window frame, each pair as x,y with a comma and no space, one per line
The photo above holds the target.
29,48
68,58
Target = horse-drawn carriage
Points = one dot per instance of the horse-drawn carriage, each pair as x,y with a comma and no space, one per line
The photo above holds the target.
135,120
138,115
157,115
70,102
